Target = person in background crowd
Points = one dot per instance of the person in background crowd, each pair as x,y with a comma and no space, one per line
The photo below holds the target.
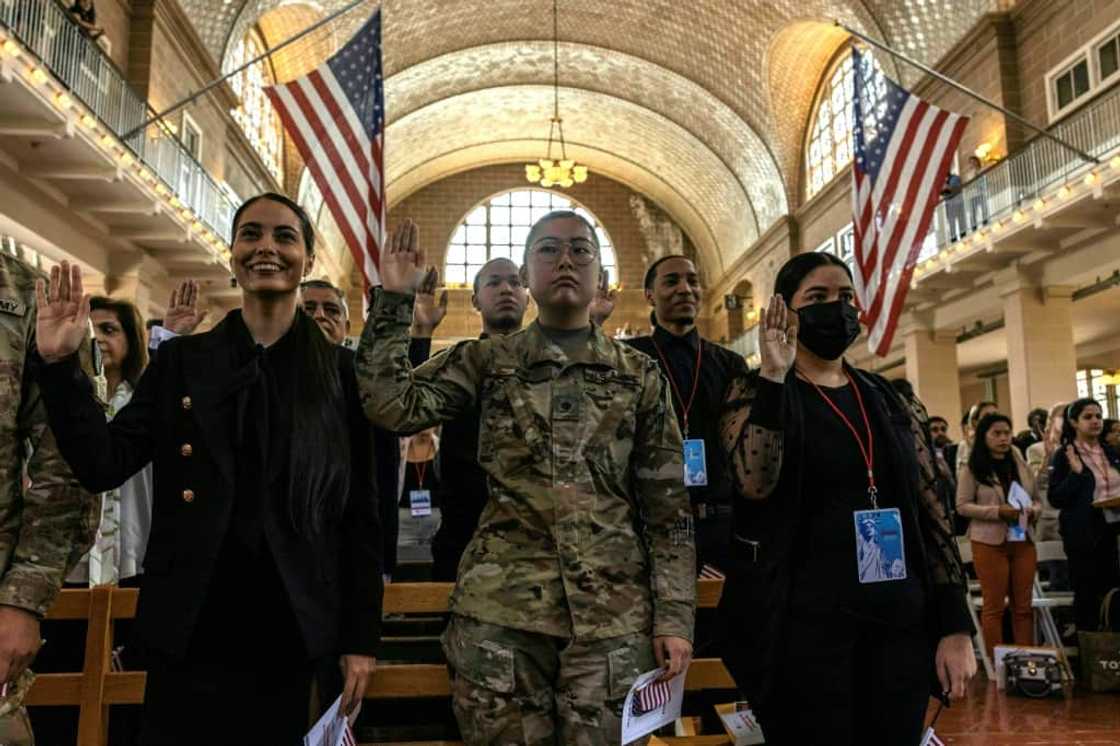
47,521
698,372
952,448
581,574
1035,432
1040,456
263,564
1110,434
326,304
83,13
978,209
975,413
939,431
847,582
417,501
1083,471
955,225
1001,533
500,297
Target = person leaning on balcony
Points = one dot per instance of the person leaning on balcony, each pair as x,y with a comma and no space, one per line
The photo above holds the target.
263,571
84,14
1003,550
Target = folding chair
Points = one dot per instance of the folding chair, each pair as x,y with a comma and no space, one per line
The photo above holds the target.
1043,600
974,601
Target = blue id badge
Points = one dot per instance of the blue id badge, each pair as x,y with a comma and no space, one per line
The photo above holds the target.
695,463
420,502
880,549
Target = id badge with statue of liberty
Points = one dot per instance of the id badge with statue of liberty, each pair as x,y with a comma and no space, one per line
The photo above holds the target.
880,547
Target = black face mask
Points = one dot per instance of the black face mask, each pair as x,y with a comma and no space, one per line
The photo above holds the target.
827,329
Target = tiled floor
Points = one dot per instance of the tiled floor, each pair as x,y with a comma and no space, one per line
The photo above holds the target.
993,718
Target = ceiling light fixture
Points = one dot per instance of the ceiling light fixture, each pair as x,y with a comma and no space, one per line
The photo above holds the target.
548,172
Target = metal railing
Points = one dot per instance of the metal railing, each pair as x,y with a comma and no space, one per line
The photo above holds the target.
82,66
1025,175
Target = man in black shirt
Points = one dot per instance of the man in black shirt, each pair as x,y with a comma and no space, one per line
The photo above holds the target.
699,373
500,297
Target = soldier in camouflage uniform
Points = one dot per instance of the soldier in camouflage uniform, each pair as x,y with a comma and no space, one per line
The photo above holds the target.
580,575
47,526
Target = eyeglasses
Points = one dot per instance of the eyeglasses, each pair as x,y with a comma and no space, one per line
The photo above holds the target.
582,252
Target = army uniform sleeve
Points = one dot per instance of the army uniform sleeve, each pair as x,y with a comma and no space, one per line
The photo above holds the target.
57,520
658,464
398,397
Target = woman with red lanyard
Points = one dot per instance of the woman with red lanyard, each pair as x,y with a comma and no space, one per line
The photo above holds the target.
419,514
846,580
1084,471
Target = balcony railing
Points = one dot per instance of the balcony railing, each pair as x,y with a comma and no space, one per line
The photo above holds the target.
1027,174
80,64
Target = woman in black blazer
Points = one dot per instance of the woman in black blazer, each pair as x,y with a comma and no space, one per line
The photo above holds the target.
264,554
1083,470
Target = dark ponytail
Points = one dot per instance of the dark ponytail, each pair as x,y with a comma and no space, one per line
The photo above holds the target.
319,444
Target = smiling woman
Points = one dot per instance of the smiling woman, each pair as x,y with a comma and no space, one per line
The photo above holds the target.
264,564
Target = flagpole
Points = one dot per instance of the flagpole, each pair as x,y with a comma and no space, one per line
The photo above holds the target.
214,83
968,91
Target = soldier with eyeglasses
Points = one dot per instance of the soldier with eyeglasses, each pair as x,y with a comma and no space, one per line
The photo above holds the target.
580,576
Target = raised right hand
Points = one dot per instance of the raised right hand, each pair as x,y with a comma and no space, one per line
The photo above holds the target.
1075,464
63,316
402,266
777,339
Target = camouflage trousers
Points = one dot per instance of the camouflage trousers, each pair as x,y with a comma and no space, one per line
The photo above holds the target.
516,688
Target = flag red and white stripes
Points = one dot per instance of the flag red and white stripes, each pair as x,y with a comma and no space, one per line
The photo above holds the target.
652,696
336,117
903,148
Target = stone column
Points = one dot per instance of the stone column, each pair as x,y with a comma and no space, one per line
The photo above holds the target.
1041,360
931,366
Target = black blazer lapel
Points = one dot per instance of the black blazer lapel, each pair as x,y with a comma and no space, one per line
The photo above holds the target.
208,371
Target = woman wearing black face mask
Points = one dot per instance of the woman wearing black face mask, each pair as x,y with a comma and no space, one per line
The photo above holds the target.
847,583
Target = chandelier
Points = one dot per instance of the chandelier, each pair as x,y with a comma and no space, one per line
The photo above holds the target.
548,172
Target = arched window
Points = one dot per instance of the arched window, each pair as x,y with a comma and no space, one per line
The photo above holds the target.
257,118
830,131
499,227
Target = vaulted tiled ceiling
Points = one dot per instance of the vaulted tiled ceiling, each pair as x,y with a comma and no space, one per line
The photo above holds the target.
701,105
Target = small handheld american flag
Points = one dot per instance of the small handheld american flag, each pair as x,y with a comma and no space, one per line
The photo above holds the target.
652,696
336,117
903,148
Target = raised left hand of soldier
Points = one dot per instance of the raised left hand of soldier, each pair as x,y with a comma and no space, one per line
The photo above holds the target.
426,312
356,670
19,641
672,654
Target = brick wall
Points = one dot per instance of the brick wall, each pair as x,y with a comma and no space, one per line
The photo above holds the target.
1048,31
114,17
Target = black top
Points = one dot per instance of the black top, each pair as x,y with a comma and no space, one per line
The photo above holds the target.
89,16
718,367
825,577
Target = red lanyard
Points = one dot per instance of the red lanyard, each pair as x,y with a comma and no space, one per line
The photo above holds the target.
421,470
868,451
685,408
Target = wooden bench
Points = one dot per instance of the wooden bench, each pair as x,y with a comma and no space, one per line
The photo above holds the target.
97,686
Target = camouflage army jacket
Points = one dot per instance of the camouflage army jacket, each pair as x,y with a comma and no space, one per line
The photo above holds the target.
587,533
47,527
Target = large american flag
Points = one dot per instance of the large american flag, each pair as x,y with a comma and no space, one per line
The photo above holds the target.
336,117
903,149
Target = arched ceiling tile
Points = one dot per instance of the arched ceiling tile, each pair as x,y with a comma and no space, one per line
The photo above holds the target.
611,73
631,132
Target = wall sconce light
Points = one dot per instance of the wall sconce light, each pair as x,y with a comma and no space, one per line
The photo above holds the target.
984,153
